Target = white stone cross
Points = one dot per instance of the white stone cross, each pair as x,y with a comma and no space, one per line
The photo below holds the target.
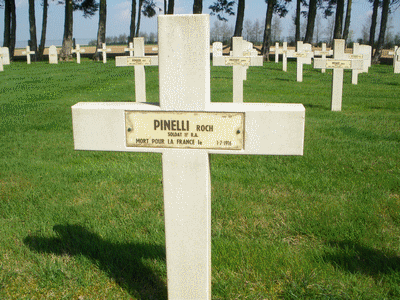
323,53
303,54
396,59
238,61
363,52
53,55
284,56
6,55
104,50
139,61
1,61
78,52
130,49
28,53
217,49
339,62
186,127
277,51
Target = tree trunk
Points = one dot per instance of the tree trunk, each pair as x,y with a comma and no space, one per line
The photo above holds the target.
337,32
68,30
44,28
297,21
347,21
312,13
171,7
138,18
7,23
13,28
382,31
198,6
101,30
133,22
32,27
267,30
239,18
373,24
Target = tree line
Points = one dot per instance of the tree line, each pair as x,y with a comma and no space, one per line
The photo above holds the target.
340,9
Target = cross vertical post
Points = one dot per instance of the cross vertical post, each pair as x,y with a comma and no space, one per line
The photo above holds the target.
130,49
396,59
140,75
104,50
78,52
284,56
28,53
339,62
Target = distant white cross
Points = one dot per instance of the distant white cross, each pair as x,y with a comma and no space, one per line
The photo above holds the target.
1,61
186,127
277,51
104,50
303,54
323,53
28,53
360,52
396,59
78,52
339,62
130,49
139,61
238,61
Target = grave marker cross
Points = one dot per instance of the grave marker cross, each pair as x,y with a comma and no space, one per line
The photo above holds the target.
104,50
396,59
28,53
303,55
323,53
139,61
130,49
339,62
229,128
1,61
78,52
238,61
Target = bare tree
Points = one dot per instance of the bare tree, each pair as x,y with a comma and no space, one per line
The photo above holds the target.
44,29
101,30
382,31
347,21
32,27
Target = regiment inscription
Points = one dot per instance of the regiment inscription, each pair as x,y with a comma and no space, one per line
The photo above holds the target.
193,130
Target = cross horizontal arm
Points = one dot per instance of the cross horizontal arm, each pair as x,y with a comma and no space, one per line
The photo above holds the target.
269,129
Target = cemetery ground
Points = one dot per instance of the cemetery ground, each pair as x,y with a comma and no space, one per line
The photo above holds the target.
89,225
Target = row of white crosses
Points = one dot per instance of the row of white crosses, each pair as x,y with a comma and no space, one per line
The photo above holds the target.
186,127
139,61
238,61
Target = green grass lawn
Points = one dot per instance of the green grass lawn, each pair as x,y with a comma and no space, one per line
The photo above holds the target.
90,225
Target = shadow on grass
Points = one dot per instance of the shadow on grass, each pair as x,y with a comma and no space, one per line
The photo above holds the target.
324,107
356,258
122,262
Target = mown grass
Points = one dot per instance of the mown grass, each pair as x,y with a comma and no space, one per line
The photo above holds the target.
325,225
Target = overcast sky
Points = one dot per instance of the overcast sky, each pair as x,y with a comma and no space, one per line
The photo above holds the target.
118,18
